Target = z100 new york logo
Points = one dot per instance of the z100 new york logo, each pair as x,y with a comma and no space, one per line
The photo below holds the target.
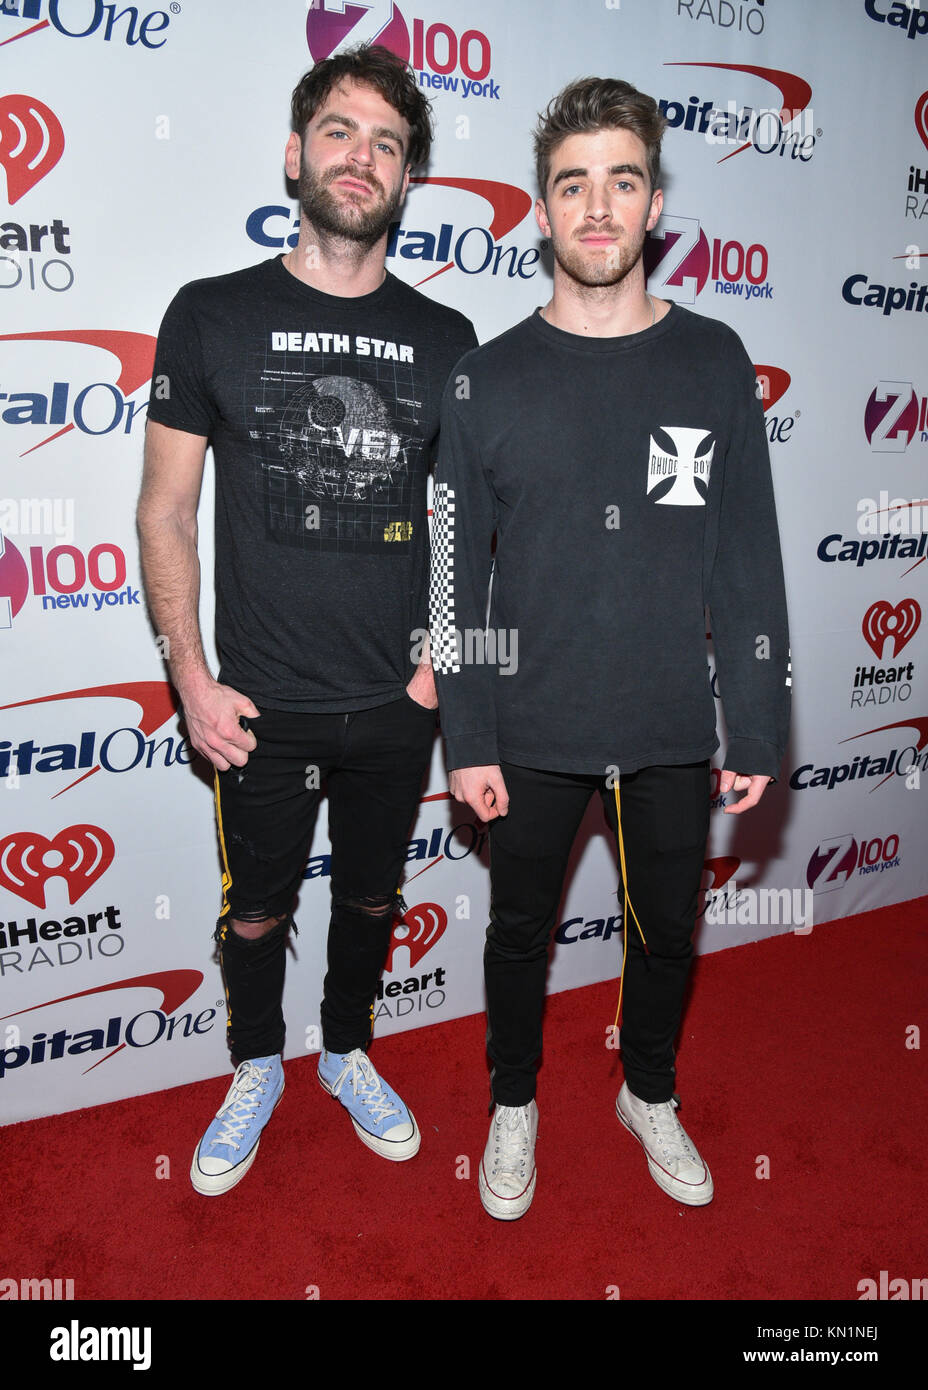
443,58
679,259
835,860
893,415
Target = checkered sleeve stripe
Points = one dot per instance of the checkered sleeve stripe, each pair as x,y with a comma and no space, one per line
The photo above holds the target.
445,658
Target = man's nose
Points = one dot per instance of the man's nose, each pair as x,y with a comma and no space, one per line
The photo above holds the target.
597,206
362,150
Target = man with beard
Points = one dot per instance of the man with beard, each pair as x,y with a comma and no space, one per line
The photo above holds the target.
615,444
317,379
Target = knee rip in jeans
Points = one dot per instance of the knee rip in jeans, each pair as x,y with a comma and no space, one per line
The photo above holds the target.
381,906
256,916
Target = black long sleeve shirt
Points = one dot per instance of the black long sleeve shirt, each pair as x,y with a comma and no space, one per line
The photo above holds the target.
628,483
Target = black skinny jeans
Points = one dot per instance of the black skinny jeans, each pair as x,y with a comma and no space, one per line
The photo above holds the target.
665,823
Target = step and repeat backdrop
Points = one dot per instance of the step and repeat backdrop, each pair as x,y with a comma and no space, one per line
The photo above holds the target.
142,148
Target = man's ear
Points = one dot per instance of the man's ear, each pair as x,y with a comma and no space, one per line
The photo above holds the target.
405,186
293,157
657,207
541,217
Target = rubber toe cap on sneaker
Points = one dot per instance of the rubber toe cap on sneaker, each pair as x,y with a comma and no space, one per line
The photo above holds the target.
214,1167
397,1143
509,1197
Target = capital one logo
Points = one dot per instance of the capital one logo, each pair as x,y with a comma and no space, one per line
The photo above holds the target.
110,22
79,854
720,870
149,1026
766,129
687,463
474,248
95,407
772,383
418,930
883,622
31,143
892,415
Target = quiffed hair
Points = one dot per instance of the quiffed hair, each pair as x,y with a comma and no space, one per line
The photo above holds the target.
375,67
598,103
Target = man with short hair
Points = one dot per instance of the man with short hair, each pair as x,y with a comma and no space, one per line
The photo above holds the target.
615,445
317,378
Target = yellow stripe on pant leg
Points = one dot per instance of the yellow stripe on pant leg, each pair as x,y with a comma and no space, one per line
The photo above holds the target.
226,888
628,904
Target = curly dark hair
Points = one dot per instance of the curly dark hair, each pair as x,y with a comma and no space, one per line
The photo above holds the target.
598,103
373,66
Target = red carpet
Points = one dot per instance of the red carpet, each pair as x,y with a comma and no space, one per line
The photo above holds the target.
793,1050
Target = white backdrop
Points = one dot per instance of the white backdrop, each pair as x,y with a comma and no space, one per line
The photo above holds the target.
144,148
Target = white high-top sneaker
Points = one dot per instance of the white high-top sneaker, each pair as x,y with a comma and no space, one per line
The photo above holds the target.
507,1170
673,1161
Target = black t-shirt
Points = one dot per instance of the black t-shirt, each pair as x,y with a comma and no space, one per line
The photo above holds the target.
323,415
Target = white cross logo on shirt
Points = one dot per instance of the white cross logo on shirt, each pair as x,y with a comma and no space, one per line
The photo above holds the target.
692,460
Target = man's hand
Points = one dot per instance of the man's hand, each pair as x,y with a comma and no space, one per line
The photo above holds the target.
754,786
482,789
211,712
422,687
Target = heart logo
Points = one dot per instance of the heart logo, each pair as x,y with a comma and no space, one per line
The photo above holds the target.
31,142
418,930
921,118
79,855
882,621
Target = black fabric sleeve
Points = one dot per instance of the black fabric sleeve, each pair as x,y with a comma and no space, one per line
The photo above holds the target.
746,593
464,518
179,394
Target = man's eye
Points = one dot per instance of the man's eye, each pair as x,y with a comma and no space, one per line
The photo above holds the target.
387,149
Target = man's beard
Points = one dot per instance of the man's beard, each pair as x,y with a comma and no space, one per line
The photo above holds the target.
606,267
347,219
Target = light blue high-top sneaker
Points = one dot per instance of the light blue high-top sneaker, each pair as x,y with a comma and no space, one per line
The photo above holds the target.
228,1148
380,1118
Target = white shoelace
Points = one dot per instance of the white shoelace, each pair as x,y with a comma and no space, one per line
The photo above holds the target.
240,1109
511,1135
671,1135
366,1084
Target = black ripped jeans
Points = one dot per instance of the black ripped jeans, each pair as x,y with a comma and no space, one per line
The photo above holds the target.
371,763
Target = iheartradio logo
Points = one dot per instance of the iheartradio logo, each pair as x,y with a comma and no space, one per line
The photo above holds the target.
80,854
31,142
418,930
921,118
882,621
